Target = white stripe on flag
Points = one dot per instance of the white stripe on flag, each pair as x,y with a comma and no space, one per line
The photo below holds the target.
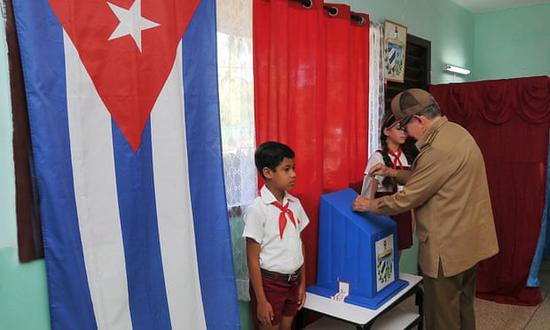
96,195
173,200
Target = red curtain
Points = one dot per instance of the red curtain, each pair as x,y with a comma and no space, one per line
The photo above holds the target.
358,98
311,92
509,120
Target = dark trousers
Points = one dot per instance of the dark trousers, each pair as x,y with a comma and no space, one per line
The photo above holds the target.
449,301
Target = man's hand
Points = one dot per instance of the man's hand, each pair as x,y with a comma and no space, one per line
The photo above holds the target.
265,313
382,170
361,204
301,295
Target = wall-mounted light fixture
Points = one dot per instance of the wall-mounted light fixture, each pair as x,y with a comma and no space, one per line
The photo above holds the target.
456,69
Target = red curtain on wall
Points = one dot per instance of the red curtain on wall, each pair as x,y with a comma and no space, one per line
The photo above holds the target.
311,92
509,120
358,98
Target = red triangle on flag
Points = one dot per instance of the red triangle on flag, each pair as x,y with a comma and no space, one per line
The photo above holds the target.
128,48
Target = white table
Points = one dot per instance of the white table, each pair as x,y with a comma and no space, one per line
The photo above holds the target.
342,315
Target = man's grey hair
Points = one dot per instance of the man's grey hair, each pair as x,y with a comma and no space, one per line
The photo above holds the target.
431,111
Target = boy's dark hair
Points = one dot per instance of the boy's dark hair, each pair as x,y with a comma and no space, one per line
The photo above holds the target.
270,154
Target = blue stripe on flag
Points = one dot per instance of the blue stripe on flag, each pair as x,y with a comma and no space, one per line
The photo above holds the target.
205,170
42,52
138,217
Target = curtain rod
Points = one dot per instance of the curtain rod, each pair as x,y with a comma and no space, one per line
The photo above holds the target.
333,11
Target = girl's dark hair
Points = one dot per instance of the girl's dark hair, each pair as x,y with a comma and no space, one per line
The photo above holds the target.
270,154
409,149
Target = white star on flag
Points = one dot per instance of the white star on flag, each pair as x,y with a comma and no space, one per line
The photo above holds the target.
130,22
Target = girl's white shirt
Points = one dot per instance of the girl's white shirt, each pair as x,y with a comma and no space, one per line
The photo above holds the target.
368,181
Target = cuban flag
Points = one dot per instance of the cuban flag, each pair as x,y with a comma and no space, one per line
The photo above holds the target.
123,107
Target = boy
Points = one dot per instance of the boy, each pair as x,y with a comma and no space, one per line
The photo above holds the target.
275,254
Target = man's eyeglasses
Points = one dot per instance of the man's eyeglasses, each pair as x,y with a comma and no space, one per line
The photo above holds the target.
398,126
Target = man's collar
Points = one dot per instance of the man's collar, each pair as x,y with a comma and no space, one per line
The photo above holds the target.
268,197
430,133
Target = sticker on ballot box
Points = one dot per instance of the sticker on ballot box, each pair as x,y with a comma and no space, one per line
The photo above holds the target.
343,291
384,262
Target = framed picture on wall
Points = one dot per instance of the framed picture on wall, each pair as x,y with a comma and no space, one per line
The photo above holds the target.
395,43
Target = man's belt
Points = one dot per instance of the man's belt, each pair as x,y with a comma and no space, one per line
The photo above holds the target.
282,277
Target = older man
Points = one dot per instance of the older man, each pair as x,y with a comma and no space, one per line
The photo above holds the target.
448,190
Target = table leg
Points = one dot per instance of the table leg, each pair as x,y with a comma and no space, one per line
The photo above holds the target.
419,299
366,326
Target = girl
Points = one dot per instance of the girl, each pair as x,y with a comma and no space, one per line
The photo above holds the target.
397,152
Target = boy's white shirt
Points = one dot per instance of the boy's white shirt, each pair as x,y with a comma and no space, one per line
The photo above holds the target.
261,223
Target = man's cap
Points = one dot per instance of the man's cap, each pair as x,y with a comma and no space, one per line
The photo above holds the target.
410,102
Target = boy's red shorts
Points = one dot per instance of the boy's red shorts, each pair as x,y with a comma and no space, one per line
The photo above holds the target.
282,295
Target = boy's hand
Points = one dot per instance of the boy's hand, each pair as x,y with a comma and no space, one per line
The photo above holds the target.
301,295
265,313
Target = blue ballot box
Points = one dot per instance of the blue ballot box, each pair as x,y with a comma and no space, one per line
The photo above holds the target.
357,254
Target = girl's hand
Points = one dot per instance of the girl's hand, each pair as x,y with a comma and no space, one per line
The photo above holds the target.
382,170
301,295
265,313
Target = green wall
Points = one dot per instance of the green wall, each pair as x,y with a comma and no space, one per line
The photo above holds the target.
503,44
449,27
23,292
7,189
512,43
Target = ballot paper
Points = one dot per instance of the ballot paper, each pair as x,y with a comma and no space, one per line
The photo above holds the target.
343,291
